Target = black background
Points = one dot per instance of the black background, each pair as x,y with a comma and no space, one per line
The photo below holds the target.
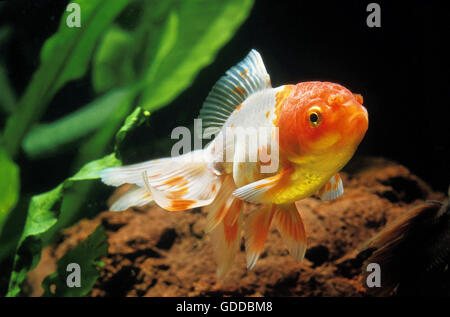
401,69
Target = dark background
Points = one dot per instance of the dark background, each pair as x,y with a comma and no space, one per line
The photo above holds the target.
401,69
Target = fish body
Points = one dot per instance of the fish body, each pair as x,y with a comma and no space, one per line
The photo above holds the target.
270,146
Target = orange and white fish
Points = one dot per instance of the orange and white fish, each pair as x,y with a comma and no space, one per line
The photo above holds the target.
318,127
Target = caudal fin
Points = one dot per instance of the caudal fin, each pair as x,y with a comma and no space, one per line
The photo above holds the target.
175,184
135,196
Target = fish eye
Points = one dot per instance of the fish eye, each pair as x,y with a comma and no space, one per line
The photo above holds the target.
314,118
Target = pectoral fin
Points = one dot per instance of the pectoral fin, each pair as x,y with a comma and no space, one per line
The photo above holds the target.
254,192
332,189
258,192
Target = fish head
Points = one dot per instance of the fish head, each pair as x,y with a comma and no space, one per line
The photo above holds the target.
322,118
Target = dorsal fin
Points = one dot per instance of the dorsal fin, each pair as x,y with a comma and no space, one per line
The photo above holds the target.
239,82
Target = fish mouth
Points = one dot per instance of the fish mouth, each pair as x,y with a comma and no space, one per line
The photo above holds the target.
358,121
357,112
359,116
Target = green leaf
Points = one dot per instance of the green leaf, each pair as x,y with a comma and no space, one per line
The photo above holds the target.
41,217
92,169
174,40
46,138
194,32
112,63
7,97
166,39
9,186
135,119
43,214
86,255
65,56
78,44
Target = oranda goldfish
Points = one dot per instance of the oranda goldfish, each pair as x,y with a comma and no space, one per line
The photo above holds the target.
318,126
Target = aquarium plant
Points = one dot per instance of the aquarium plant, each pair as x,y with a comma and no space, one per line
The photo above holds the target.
138,56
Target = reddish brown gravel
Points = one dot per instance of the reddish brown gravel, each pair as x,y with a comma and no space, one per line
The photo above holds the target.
158,253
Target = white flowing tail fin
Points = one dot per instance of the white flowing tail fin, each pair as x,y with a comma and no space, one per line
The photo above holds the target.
175,184
135,196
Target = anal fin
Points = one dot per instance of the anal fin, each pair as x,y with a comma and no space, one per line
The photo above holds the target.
218,209
256,231
226,237
289,223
